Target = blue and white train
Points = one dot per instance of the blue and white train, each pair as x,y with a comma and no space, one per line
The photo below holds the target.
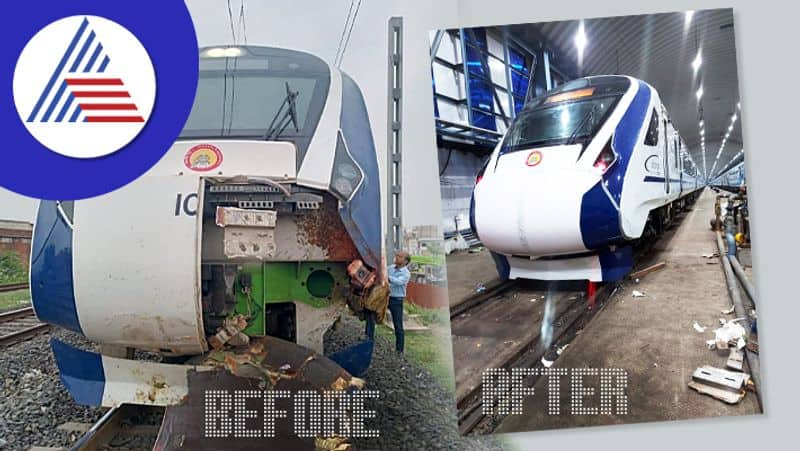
732,179
581,173
255,213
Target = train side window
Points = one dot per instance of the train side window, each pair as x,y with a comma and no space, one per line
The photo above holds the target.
651,138
675,153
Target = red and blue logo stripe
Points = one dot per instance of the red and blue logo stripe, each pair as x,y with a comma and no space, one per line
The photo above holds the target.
85,92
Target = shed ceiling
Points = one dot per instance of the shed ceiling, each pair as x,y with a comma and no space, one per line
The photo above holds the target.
659,49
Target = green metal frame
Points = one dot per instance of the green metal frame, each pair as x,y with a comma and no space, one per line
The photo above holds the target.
276,282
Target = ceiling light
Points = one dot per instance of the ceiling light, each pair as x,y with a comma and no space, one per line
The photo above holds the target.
698,61
702,122
734,117
702,131
699,92
580,39
730,127
739,105
689,15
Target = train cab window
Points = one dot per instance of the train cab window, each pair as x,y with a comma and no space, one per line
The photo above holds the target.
651,138
571,114
263,93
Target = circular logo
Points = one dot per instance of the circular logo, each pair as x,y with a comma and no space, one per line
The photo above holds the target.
84,86
203,157
125,77
534,158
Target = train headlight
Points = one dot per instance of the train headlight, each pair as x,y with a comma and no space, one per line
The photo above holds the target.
606,159
343,187
223,52
346,175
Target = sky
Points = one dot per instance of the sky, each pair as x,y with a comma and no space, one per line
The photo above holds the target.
16,207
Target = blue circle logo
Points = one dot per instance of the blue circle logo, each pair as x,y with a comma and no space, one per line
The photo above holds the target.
99,94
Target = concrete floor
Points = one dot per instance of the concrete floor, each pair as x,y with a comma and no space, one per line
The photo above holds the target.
466,270
652,338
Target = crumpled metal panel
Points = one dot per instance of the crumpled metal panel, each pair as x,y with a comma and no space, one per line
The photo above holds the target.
362,215
267,364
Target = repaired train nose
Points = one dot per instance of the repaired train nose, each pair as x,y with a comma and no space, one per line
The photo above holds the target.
534,210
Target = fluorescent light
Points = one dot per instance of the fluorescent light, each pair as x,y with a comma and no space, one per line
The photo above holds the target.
734,117
702,131
689,15
698,61
699,92
702,122
739,105
580,39
730,127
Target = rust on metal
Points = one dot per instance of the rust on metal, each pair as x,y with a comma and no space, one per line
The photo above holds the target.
323,228
648,270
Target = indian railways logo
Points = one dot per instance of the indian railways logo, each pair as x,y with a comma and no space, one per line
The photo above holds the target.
534,158
203,157
84,86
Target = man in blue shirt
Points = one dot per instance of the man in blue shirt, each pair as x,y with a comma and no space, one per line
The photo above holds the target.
399,276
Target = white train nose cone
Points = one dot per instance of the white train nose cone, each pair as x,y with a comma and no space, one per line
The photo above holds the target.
530,204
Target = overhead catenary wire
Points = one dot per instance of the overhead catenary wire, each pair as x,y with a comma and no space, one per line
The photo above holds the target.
241,26
243,22
349,32
344,30
230,20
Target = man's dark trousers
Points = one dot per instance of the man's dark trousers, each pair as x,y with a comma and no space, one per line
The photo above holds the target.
396,307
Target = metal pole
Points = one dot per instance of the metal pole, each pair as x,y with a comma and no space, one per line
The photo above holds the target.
463,38
394,175
739,309
739,271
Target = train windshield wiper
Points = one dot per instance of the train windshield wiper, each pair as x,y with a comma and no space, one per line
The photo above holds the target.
584,120
282,117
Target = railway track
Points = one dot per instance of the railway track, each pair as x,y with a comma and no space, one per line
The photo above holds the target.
507,319
13,287
127,426
18,325
517,343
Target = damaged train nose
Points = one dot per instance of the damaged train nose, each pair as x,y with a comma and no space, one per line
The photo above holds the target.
51,284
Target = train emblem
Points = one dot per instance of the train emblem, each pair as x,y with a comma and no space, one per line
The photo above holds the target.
534,158
203,157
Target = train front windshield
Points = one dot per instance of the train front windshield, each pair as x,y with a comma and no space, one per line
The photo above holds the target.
573,113
258,93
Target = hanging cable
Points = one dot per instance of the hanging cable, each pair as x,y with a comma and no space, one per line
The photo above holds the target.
230,19
349,32
242,23
344,31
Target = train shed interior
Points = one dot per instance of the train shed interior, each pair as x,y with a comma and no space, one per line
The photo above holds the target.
662,324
